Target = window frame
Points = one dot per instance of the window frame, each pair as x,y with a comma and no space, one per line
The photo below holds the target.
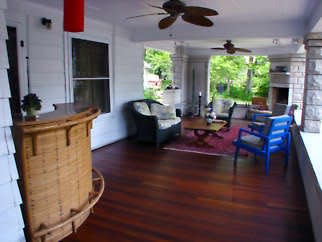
69,67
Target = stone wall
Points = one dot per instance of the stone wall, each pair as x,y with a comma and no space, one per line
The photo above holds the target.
312,112
293,77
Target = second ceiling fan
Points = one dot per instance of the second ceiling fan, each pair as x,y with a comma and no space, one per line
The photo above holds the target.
231,49
175,8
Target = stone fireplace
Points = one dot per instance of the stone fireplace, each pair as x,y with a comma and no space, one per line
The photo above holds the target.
287,75
280,95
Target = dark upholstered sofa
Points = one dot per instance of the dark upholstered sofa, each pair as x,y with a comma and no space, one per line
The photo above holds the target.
148,126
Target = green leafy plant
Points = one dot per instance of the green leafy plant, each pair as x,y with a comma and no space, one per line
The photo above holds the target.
31,101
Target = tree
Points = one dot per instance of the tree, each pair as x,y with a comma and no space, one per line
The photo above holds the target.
160,61
232,71
226,70
261,76
250,73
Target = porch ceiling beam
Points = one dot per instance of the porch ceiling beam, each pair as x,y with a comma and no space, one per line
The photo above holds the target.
274,50
315,22
276,29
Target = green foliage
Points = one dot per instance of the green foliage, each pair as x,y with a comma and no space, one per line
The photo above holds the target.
30,101
232,72
261,77
150,93
165,84
160,62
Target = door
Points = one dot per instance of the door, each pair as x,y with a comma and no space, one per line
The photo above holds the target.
13,73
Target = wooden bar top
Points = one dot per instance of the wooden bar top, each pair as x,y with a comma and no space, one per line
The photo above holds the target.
64,114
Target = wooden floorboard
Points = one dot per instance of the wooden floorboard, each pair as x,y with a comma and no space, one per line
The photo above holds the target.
162,195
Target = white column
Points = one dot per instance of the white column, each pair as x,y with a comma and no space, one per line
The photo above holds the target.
179,60
197,82
11,222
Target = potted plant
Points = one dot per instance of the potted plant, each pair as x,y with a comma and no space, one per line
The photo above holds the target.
31,104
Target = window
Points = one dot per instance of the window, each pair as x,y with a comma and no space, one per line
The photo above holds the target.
91,81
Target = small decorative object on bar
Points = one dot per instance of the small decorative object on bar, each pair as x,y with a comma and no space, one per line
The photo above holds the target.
210,115
31,104
74,15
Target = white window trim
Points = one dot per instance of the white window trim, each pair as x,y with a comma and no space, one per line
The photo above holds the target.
69,68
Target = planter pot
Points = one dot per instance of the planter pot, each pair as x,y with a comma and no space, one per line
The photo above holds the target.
31,114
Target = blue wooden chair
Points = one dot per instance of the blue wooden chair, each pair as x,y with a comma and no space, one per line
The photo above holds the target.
258,119
274,137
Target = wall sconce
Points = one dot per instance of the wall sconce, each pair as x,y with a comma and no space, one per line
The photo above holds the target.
46,22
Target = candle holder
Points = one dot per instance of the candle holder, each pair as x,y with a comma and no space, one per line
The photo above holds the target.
199,106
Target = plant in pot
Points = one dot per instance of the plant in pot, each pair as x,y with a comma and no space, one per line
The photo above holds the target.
31,104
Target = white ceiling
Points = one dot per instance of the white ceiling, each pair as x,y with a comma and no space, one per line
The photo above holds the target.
252,24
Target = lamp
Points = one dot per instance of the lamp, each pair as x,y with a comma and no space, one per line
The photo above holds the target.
46,22
74,15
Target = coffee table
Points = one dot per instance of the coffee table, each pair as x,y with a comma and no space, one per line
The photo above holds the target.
202,130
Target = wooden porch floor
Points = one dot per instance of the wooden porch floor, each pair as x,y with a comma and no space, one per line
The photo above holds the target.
162,195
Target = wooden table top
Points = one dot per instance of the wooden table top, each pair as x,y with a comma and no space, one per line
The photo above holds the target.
200,124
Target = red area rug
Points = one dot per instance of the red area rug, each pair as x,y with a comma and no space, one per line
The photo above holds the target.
220,146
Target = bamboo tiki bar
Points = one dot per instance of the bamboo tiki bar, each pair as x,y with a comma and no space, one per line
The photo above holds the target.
59,185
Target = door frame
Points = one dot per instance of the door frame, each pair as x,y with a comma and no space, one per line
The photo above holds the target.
22,52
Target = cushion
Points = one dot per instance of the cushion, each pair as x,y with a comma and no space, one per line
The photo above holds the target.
240,111
280,109
163,112
252,140
142,108
221,105
252,111
257,125
166,123
222,115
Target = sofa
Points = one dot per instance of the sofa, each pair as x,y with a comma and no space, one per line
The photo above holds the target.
155,122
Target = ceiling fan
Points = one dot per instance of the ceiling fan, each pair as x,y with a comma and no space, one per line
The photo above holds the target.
175,8
231,49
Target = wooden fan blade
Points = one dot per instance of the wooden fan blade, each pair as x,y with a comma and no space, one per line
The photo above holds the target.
197,20
167,22
243,50
149,14
153,6
192,10
218,48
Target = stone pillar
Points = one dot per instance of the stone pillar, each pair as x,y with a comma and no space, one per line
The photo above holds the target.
179,60
312,111
197,81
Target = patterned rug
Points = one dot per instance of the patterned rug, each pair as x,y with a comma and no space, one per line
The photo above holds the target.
219,146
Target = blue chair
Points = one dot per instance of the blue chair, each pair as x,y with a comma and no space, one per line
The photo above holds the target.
274,137
258,119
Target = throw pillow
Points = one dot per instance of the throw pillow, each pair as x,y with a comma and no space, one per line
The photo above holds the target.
142,108
163,111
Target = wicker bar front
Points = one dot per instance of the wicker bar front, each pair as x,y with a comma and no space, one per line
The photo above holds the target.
56,167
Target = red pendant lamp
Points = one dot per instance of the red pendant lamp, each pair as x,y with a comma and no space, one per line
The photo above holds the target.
74,15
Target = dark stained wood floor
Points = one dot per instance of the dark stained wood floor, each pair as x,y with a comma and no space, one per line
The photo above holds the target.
162,195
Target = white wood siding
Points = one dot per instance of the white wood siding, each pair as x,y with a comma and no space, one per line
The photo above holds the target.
50,70
11,222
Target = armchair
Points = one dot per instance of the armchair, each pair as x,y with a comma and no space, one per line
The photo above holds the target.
149,127
258,119
275,137
223,113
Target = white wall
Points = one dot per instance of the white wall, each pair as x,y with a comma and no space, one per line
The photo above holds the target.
11,222
49,68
